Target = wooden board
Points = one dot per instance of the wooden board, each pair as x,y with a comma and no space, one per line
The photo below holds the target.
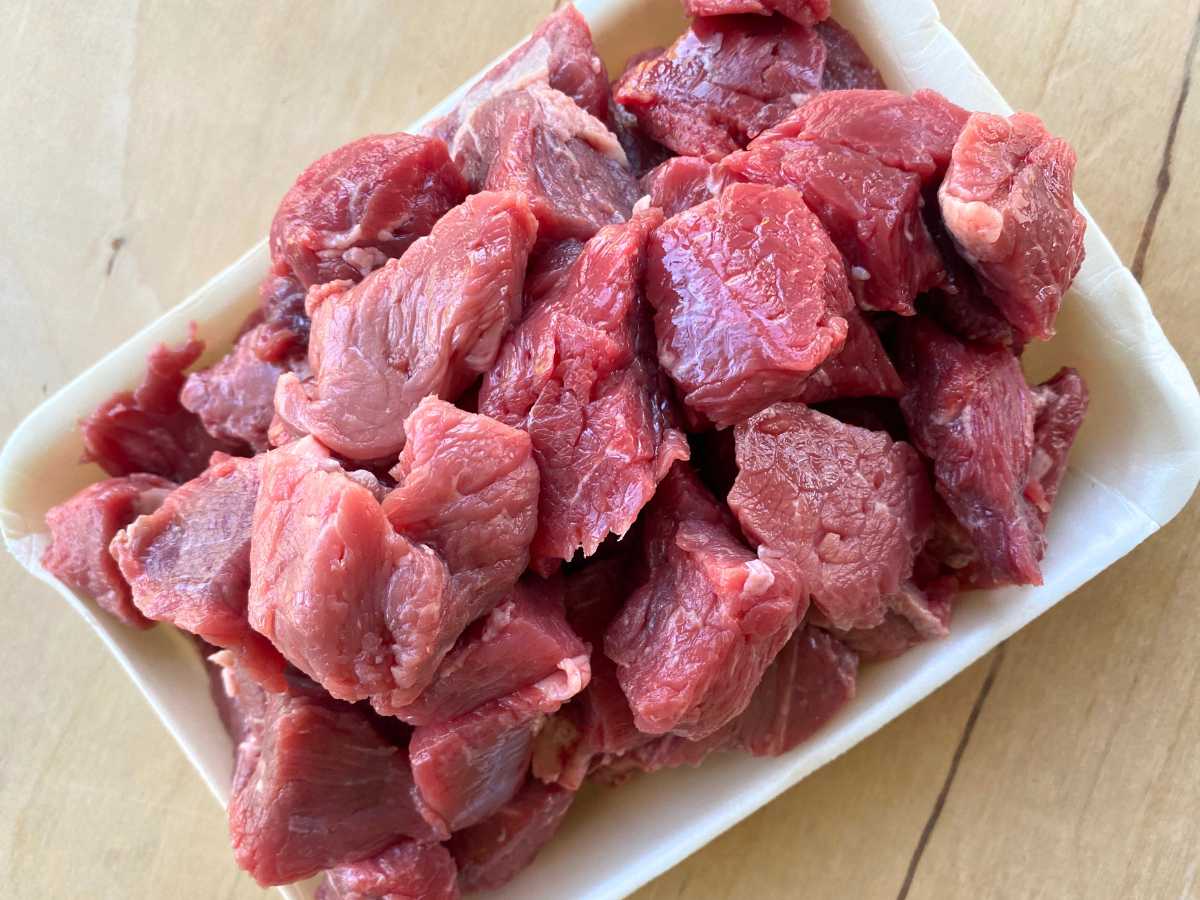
145,147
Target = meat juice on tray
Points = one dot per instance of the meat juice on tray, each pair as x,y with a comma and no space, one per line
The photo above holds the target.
601,428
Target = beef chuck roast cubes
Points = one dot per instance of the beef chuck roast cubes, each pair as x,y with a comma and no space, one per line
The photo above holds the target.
428,323
407,870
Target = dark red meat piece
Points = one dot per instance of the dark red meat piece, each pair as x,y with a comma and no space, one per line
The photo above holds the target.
806,12
428,323
490,854
147,429
914,615
285,324
576,375
861,369
749,295
409,870
1060,403
548,263
847,66
724,81
680,183
849,507
1008,203
81,529
692,643
188,563
362,204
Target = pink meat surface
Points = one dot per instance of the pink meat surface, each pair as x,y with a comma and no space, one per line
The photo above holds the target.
847,66
147,429
848,507
1007,201
408,870
749,297
680,183
871,211
691,643
724,81
914,615
490,854
188,562
362,204
81,529
578,376
566,162
428,323
806,12
861,369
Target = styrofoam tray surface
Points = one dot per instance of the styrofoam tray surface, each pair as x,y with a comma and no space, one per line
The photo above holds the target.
1135,465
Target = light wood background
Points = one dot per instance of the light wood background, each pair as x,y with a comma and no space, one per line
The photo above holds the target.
144,147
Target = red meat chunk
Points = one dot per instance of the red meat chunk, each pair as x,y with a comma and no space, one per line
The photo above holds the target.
691,644
468,767
724,81
188,563
849,507
81,529
749,296
428,323
680,183
1008,203
362,204
847,66
576,375
147,429
490,854
319,786
914,615
871,211
285,324
565,161
408,870
522,641
1061,404
806,12
861,369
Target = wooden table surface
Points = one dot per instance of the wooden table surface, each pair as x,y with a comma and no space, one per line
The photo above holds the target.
144,148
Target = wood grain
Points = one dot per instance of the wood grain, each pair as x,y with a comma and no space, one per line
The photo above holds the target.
145,149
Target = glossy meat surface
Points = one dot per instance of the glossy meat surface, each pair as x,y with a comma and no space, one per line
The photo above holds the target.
408,870
680,183
860,369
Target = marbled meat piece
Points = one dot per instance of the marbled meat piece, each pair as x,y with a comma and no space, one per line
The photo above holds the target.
407,870
850,508
680,183
361,609
362,204
578,376
806,12
1060,405
188,563
861,369
318,786
847,65
871,211
148,429
565,161
724,81
749,297
490,854
428,323
915,615
81,529
1007,201
692,642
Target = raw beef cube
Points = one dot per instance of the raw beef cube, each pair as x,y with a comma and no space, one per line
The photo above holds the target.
491,853
522,641
1007,201
235,397
806,12
188,562
81,529
668,751
319,786
847,66
680,183
468,488
147,429
691,643
861,369
468,767
724,81
575,377
408,870
559,53
914,615
362,204
749,297
285,324
912,133
970,411
363,610
1060,403
565,161
849,507
643,152
428,323
548,263
871,211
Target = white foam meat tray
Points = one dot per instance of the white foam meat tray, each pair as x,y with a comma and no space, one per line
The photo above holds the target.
1136,463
